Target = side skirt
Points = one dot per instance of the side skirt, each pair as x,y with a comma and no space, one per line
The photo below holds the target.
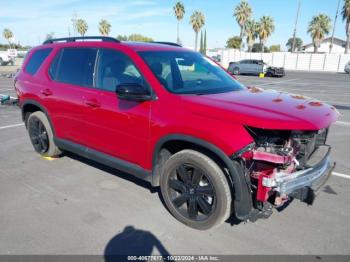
104,159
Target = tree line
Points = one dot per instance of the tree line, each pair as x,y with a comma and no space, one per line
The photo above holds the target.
318,28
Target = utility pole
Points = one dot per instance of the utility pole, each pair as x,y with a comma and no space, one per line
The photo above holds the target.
74,22
295,27
335,22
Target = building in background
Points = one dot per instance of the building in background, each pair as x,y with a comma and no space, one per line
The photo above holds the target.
338,46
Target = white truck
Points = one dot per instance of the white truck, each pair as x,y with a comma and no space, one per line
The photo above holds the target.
8,57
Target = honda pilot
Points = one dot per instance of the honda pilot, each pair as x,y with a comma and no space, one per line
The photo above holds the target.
175,118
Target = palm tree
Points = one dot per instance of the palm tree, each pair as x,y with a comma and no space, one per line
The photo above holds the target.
82,27
197,20
266,27
319,27
251,30
346,17
7,34
104,27
242,13
179,10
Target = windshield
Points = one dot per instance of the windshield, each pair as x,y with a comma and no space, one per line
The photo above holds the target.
184,72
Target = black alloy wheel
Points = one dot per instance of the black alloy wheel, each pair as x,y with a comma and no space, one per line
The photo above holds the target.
191,192
38,135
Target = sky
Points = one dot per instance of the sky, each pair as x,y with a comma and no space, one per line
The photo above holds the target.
30,21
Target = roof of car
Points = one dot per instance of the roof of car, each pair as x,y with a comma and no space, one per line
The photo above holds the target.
151,46
91,40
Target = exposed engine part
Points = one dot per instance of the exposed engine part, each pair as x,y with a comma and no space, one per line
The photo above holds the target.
276,156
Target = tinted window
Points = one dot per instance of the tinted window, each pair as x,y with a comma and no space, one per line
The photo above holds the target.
75,66
184,72
115,68
54,66
36,60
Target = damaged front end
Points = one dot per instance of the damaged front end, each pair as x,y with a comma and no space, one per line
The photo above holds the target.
284,164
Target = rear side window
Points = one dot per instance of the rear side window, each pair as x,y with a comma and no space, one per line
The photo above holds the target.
74,66
36,60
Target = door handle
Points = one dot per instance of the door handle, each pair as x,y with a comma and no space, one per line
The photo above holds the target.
92,103
46,92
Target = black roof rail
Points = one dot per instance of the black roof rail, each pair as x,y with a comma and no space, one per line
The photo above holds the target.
74,39
167,43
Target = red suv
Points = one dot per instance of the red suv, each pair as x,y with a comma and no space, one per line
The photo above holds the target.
175,118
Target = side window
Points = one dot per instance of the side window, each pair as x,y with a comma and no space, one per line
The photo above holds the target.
74,66
161,67
36,60
115,68
54,66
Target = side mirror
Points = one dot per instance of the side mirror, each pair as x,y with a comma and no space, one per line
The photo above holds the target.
133,92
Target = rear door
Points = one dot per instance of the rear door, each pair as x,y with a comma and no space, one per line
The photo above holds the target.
71,75
256,66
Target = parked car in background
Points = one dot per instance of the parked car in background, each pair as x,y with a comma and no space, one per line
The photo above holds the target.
347,68
254,67
247,66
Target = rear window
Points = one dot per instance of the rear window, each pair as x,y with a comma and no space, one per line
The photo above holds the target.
36,60
74,66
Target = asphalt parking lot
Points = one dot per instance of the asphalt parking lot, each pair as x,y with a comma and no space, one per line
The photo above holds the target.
74,206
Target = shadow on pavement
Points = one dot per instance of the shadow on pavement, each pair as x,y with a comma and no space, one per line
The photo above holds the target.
134,242
232,219
112,171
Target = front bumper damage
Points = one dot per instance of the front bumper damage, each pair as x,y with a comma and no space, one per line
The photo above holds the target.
302,184
283,165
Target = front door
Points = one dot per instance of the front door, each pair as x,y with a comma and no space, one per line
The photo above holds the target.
117,127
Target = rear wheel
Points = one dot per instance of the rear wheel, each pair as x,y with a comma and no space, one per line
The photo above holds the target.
41,135
235,71
195,190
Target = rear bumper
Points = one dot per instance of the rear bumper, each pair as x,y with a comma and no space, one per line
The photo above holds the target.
312,177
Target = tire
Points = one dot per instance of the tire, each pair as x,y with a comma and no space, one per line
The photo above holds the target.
41,135
1,62
235,71
189,178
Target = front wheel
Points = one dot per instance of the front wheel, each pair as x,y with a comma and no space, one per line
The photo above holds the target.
195,190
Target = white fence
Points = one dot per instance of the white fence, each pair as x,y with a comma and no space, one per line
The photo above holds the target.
290,61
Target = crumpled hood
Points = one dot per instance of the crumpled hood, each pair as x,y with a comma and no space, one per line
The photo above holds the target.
264,109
